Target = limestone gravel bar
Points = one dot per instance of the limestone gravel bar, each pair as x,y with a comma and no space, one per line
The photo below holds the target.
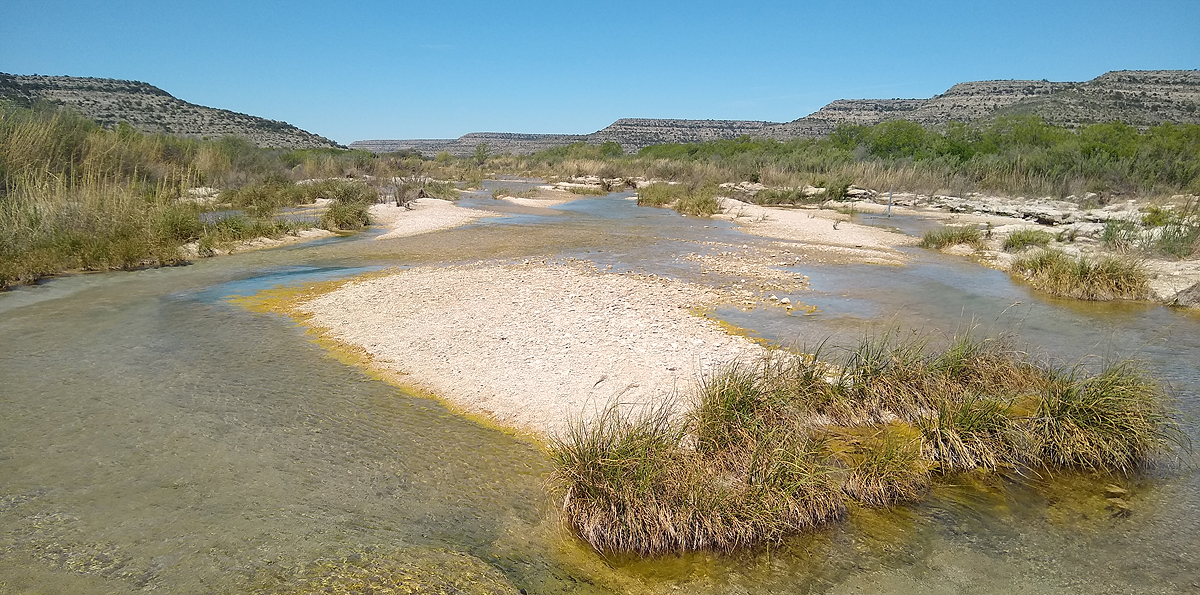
533,345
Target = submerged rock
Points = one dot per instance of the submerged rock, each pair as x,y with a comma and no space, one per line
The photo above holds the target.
416,570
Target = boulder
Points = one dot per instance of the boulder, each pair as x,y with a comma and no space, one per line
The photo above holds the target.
1188,298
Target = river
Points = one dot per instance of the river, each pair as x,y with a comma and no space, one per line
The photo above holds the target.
155,436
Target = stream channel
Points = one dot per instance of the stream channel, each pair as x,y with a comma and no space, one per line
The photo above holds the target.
154,436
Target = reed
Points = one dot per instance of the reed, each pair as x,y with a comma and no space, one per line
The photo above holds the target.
75,196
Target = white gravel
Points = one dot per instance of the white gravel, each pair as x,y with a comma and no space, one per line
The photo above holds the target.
427,214
533,345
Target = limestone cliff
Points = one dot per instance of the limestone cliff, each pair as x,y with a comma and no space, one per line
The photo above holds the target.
150,109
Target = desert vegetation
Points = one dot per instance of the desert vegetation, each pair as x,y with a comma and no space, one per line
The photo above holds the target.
1162,232
1011,155
75,196
782,444
699,201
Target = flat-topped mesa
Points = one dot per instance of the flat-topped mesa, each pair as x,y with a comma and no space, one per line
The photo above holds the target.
852,111
497,142
967,102
635,133
150,109
1141,98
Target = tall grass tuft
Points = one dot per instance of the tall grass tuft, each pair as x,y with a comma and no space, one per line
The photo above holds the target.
1110,421
952,236
75,196
698,201
776,446
1024,238
629,484
349,209
1086,278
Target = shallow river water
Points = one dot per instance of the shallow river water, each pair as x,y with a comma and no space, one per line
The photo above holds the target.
155,436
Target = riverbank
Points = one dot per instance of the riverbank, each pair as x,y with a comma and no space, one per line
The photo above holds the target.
828,232
532,345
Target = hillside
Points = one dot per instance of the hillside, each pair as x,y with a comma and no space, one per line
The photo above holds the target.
1140,98
150,109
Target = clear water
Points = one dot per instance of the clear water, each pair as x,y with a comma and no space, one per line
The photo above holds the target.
153,436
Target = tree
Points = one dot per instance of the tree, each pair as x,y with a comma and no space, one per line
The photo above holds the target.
482,152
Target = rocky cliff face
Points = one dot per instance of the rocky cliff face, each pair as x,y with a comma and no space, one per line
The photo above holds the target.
1140,98
150,109
634,133
631,133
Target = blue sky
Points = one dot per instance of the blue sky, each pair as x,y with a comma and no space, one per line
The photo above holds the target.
438,69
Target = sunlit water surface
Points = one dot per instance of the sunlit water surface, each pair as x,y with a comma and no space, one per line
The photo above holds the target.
156,437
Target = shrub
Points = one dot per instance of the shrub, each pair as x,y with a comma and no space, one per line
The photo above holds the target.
342,215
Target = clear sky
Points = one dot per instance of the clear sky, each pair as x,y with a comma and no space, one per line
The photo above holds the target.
442,68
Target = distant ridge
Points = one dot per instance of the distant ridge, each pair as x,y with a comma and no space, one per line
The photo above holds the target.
150,109
1141,98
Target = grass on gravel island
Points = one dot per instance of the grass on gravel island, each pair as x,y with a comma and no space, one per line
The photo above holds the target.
790,441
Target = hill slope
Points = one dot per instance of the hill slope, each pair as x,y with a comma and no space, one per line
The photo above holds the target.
150,109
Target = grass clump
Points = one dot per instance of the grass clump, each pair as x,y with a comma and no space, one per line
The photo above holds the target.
786,196
952,236
588,190
349,209
697,201
630,484
1112,420
659,194
883,464
777,446
1097,278
1024,238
